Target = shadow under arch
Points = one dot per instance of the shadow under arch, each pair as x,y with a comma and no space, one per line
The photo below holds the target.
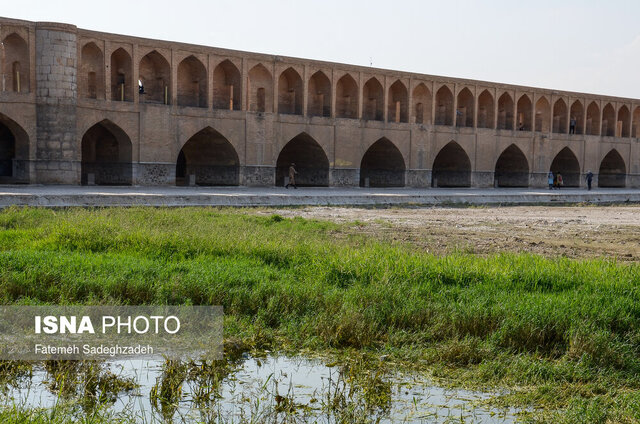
310,161
566,163
512,168
208,159
106,155
451,167
613,171
382,165
14,152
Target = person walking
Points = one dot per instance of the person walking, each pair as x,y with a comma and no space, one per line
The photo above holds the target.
292,176
550,180
589,179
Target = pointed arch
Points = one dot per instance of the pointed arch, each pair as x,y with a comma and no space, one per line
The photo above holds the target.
624,122
451,167
512,168
227,86
567,164
208,159
319,103
310,161
373,100
608,121
593,119
464,113
421,109
16,63
444,106
91,74
505,112
155,77
260,91
347,97
398,98
14,152
106,155
524,113
543,115
382,165
577,114
485,110
121,76
560,124
635,128
192,83
290,90
613,171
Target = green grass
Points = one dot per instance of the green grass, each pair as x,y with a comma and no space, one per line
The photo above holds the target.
566,332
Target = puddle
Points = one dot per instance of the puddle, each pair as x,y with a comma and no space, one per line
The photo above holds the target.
252,389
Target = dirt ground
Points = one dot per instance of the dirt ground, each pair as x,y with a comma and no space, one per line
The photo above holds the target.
573,231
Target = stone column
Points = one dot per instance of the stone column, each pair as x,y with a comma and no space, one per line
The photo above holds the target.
58,146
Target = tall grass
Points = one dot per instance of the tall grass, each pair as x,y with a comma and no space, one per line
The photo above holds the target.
514,318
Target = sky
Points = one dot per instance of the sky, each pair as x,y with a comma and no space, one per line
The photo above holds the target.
588,46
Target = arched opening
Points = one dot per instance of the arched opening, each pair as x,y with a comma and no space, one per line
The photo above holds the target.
485,110
106,155
560,117
577,116
543,115
444,106
452,167
290,93
524,113
16,63
155,76
505,112
608,121
319,103
636,123
397,108
512,168
192,83
347,98
121,79
260,89
14,152
613,172
310,160
226,87
421,104
624,122
373,106
91,75
208,159
464,113
382,166
7,152
568,166
593,119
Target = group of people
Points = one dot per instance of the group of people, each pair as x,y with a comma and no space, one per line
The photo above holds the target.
557,181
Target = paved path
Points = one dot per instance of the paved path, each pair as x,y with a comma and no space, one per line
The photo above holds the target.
59,196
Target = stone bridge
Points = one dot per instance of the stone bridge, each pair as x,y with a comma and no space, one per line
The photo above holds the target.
85,107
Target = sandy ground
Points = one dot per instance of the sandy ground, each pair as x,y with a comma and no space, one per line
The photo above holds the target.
576,231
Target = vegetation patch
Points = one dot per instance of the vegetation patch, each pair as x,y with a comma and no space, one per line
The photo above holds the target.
562,334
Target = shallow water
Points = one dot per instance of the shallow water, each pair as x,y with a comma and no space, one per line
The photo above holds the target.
279,389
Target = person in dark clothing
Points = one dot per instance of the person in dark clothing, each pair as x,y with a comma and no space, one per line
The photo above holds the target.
589,179
572,125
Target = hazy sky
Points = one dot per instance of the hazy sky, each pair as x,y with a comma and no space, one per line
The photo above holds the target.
578,45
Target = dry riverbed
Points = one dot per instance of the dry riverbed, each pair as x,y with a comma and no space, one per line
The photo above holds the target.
572,231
